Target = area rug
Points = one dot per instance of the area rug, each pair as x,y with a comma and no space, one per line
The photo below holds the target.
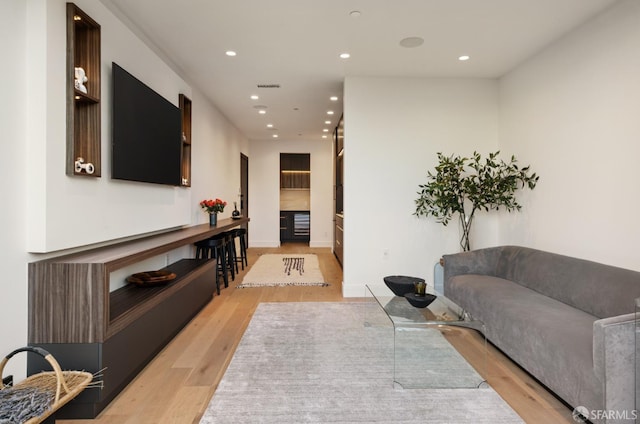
317,362
284,270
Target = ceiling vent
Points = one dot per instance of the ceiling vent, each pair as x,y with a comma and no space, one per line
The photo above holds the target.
268,85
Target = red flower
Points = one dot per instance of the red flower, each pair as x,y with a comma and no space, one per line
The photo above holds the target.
213,206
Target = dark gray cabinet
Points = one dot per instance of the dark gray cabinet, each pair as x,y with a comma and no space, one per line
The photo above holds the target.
295,226
85,326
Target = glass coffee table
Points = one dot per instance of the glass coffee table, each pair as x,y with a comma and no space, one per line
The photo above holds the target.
423,356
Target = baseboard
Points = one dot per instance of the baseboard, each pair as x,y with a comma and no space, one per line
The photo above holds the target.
264,243
353,290
321,244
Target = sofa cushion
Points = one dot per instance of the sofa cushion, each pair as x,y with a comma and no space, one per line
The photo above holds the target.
598,289
550,339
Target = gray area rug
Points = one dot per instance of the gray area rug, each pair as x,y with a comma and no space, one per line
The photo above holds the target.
316,362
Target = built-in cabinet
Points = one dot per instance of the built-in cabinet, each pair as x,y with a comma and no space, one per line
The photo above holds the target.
295,171
338,139
338,247
83,94
86,326
185,111
295,226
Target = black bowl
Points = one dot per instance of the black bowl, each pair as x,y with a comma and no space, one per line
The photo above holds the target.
420,301
401,284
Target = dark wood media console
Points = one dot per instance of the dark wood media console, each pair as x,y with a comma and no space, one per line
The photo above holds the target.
74,316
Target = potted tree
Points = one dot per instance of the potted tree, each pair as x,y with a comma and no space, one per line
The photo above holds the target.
465,185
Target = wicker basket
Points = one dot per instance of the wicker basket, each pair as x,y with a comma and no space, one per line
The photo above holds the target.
56,387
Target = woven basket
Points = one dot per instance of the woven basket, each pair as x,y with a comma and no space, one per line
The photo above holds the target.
58,386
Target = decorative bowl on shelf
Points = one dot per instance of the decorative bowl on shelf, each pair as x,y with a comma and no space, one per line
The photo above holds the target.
420,301
401,284
151,278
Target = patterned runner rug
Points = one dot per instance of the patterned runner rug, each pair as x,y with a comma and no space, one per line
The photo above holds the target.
284,270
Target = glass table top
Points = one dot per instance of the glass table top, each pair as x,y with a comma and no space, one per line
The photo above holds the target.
401,312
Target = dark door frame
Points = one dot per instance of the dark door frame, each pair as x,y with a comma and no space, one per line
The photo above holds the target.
244,189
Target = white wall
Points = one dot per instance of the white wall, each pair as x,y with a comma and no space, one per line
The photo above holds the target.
215,158
393,131
41,203
574,112
13,119
64,211
264,191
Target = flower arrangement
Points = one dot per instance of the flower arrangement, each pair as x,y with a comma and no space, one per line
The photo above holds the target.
213,206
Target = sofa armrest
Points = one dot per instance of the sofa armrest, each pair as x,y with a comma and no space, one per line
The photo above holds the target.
614,348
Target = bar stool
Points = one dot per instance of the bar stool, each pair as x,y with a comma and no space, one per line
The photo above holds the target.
225,258
231,250
241,234
214,248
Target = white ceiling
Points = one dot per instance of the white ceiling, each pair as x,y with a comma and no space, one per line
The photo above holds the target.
296,43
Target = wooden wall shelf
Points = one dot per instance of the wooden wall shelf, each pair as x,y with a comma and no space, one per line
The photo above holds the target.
185,108
83,109
73,314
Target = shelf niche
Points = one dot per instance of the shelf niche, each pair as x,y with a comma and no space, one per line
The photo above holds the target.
185,109
83,109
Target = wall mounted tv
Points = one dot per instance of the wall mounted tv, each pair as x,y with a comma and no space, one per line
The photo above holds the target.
147,130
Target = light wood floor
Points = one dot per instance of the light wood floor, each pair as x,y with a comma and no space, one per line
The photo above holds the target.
178,384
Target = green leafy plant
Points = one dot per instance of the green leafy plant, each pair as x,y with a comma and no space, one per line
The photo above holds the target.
465,185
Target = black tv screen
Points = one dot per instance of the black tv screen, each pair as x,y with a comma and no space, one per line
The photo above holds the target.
147,132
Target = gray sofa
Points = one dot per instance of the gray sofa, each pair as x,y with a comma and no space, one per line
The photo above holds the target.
568,322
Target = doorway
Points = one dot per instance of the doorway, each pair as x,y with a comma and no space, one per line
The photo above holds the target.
295,197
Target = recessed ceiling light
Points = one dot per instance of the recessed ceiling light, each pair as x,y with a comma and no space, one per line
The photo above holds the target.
269,125
464,57
275,136
230,53
254,97
327,122
333,98
345,55
411,42
262,111
324,136
329,112
325,130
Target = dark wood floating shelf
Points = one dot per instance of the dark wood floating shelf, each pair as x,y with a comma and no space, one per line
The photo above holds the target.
79,96
73,315
185,154
83,109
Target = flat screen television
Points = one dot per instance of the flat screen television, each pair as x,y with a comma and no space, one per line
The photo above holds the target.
147,131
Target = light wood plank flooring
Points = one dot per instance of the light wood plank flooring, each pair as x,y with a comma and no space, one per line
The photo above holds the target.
177,385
